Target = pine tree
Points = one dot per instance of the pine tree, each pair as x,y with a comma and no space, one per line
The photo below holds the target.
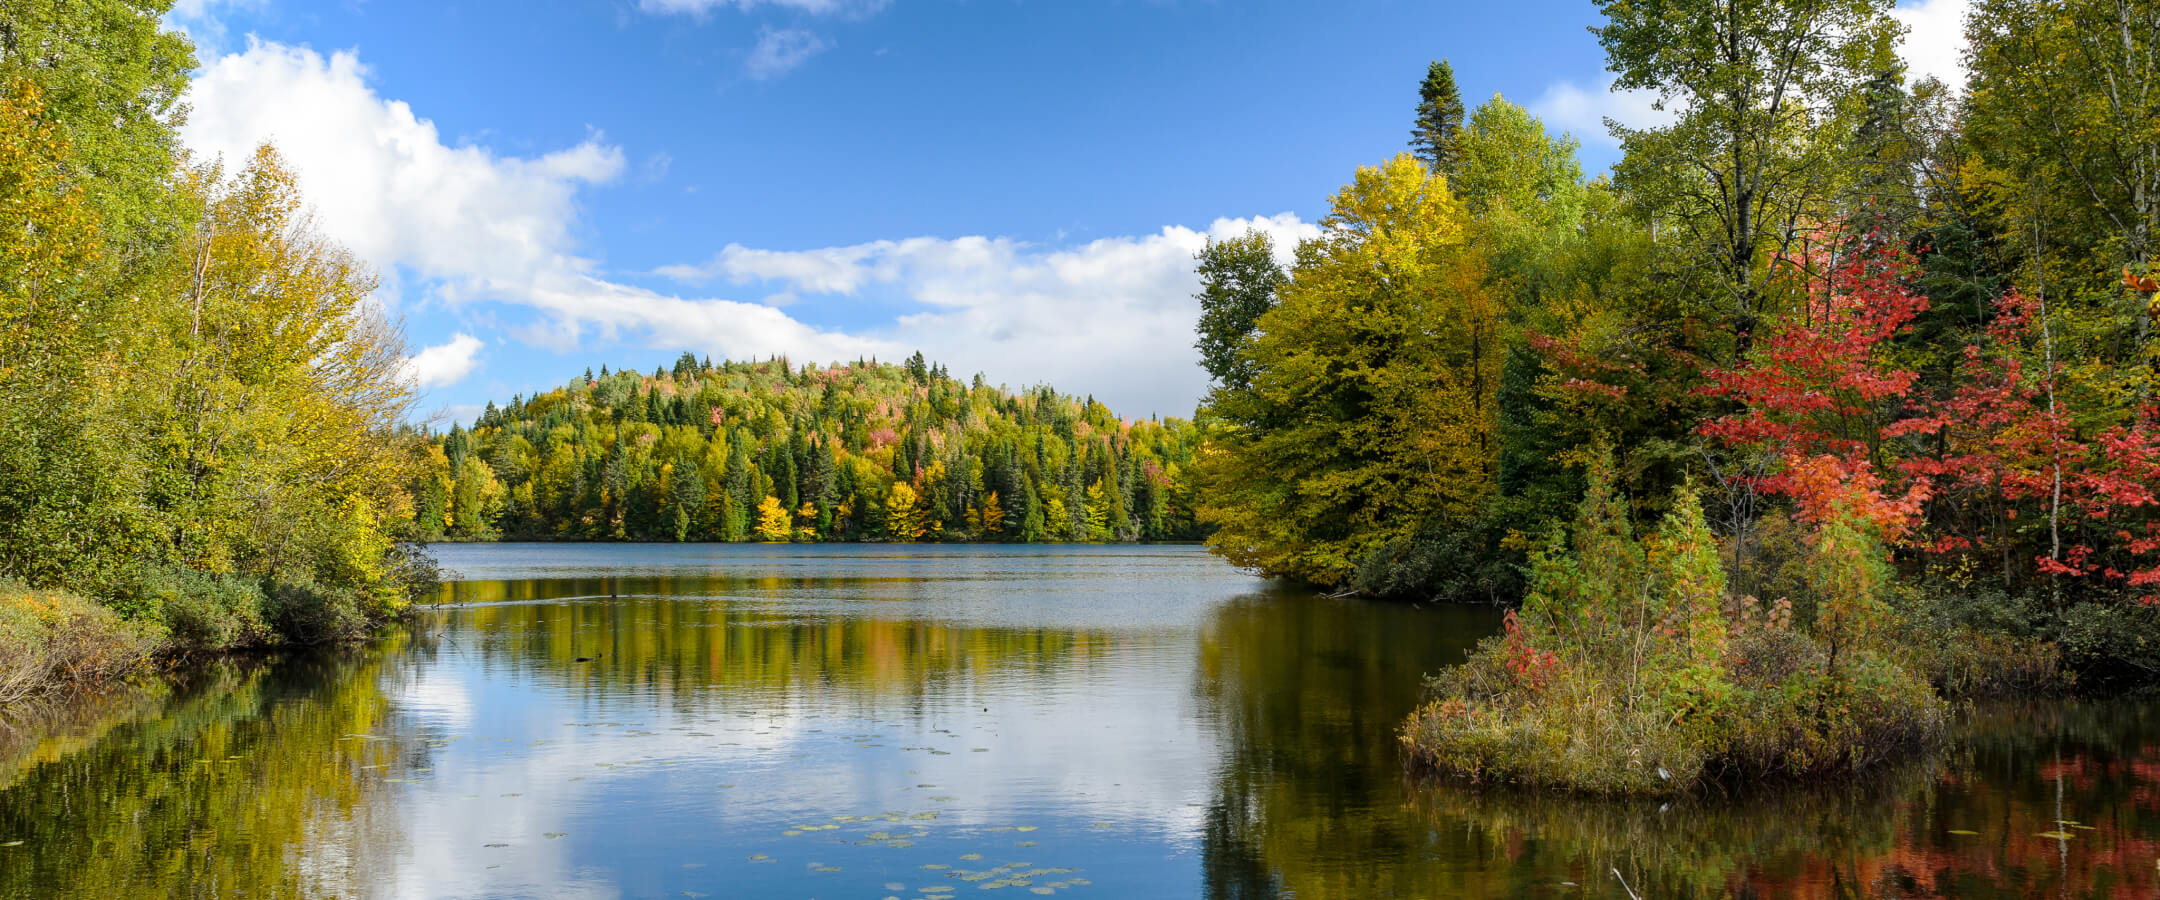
1439,120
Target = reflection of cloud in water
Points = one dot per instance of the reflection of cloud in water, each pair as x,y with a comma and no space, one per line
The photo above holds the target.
1113,742
436,701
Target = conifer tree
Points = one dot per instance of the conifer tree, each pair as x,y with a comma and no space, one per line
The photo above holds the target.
1439,120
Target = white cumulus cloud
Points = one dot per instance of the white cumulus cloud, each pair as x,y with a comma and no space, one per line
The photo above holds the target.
1112,317
444,364
475,225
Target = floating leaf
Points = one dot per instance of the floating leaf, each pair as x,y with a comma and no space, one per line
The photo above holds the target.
970,856
2057,835
1025,828
1962,831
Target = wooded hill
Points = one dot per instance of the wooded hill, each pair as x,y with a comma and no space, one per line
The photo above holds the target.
768,451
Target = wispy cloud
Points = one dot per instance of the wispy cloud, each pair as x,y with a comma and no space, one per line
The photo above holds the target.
203,21
1585,112
812,7
780,50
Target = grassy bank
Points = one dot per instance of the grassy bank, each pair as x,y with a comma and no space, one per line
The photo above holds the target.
1630,670
55,642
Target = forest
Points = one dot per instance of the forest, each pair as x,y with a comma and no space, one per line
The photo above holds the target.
767,451
1827,410
1829,407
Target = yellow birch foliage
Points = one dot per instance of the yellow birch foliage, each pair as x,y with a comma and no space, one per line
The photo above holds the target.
1372,407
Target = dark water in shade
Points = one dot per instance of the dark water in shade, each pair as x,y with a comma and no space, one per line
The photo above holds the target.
962,722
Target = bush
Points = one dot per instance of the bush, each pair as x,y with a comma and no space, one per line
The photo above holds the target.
51,640
1445,559
1629,670
199,610
309,613
2111,645
1973,641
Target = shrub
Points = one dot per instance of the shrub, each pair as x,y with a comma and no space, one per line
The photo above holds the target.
2111,644
308,613
1630,671
200,610
53,639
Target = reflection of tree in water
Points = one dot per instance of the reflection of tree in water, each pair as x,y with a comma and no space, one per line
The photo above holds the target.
1311,798
661,638
1892,835
236,784
1307,694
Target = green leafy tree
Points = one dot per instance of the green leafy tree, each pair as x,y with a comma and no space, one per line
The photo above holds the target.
112,77
1763,92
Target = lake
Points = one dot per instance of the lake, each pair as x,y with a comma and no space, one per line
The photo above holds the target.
838,721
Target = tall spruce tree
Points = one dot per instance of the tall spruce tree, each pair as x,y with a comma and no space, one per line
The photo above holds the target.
1439,120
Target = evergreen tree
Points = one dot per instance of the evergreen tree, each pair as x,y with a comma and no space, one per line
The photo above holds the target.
1438,126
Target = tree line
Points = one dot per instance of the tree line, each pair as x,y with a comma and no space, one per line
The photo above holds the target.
768,451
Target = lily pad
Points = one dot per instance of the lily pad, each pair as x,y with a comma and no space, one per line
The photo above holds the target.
2057,835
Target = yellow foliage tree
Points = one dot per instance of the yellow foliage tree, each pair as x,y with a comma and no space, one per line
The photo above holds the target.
774,523
1371,408
903,513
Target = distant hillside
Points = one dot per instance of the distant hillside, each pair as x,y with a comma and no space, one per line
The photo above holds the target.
768,452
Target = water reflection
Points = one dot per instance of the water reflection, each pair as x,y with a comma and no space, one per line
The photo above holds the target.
235,781
1113,722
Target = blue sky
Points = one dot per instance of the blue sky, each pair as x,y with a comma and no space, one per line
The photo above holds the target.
1013,188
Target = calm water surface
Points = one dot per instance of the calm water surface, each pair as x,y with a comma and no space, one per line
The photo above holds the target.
916,722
